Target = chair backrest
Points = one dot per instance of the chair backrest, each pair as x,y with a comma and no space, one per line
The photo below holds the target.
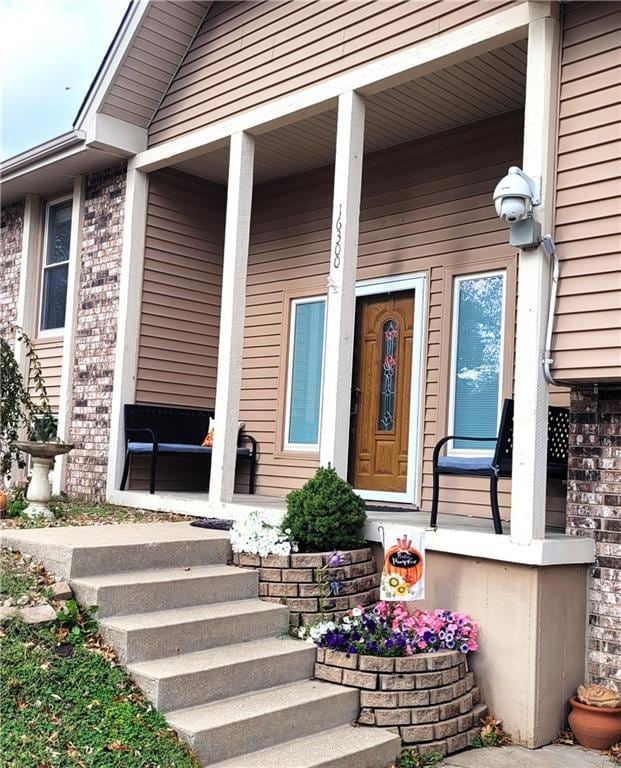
170,424
558,440
503,455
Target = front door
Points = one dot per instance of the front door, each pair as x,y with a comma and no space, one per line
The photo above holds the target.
381,387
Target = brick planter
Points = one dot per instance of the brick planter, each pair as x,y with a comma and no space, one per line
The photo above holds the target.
292,581
429,699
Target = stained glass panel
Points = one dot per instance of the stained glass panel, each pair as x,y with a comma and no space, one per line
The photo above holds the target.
390,335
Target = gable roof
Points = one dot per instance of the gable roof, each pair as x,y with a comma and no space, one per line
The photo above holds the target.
142,60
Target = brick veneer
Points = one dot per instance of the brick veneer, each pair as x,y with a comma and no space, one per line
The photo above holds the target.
11,231
430,699
292,580
97,315
593,508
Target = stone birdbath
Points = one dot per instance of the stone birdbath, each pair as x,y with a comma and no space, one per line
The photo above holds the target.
40,488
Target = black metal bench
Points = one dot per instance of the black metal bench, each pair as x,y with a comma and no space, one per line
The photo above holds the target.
500,465
160,430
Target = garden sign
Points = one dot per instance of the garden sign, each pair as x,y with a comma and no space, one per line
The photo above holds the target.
403,575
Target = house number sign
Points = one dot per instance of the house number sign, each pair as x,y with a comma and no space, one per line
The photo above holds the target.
338,226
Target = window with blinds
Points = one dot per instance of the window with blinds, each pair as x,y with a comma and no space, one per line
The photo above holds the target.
477,353
305,374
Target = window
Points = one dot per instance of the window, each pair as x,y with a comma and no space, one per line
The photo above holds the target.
477,347
305,376
55,266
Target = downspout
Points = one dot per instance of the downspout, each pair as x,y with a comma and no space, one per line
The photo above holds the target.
550,249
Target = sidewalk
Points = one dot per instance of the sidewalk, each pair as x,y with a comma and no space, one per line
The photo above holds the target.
553,756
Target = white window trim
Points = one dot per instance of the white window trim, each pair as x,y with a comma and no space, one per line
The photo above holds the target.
303,447
50,332
457,279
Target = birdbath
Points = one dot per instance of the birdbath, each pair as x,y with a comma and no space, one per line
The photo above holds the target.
40,489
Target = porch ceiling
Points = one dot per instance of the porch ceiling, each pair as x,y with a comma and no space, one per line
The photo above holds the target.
487,85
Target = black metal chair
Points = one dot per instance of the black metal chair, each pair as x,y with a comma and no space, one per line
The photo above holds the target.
500,464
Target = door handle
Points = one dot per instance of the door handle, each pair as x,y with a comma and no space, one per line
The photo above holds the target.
355,392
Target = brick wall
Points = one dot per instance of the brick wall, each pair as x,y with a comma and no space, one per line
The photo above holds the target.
97,312
12,224
594,509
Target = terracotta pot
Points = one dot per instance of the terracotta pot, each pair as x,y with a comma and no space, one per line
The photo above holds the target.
595,727
3,502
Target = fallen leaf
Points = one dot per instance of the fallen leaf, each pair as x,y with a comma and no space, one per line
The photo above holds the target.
116,746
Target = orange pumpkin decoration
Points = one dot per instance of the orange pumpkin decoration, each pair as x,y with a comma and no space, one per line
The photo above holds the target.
404,560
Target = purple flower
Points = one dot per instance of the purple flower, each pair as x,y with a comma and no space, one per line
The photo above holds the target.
334,560
464,648
335,587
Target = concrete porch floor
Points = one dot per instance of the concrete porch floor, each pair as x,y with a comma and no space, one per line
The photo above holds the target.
552,756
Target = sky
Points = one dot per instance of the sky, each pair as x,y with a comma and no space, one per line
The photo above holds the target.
49,54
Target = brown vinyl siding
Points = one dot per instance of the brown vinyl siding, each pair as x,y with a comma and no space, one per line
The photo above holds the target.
155,55
178,345
247,54
425,208
587,340
50,353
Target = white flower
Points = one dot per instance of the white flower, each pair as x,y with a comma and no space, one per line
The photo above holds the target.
356,612
260,536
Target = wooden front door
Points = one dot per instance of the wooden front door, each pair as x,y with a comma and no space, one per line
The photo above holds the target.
381,392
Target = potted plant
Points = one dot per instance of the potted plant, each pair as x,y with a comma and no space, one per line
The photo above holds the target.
22,415
315,561
595,717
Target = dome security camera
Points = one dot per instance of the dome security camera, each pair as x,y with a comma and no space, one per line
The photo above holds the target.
515,195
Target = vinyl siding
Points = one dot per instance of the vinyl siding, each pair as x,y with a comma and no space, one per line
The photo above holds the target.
247,54
178,345
50,353
587,339
425,208
180,313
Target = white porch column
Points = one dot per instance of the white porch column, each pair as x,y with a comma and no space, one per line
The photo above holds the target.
528,497
128,323
334,433
71,315
236,240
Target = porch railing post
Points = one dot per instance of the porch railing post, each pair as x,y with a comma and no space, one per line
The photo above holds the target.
128,323
528,496
334,436
236,240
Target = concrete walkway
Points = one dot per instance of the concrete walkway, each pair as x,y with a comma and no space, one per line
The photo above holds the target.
553,756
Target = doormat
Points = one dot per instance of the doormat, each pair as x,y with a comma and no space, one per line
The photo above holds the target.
378,507
213,522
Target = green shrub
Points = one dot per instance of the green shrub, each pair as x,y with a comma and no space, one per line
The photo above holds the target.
325,514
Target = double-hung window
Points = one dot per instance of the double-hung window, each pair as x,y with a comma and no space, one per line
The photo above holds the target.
305,374
55,265
477,355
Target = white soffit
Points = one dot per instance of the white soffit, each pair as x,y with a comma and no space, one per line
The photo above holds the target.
490,84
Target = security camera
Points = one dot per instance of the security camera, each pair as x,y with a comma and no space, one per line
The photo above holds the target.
515,195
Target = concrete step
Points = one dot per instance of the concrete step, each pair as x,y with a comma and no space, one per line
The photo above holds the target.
158,589
241,724
343,747
203,676
74,552
143,636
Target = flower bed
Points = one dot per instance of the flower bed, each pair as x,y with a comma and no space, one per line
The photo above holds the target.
429,698
312,590
411,671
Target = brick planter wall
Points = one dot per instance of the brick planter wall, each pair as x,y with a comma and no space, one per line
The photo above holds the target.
430,699
292,581
593,503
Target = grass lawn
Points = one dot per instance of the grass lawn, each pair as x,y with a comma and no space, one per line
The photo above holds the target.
64,701
78,512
